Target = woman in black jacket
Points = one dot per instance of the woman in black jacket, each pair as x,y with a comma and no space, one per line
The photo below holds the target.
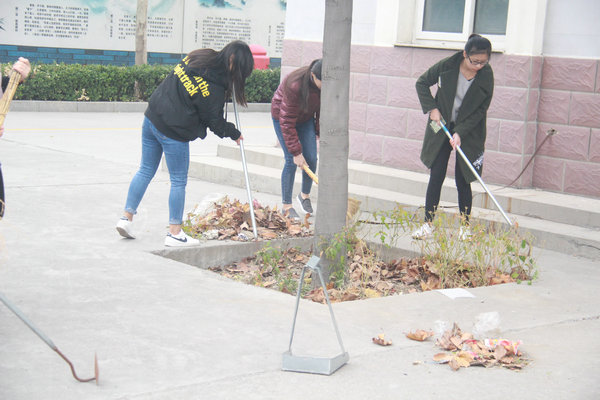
189,100
465,85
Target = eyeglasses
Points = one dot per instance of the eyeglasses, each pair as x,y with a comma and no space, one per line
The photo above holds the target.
477,62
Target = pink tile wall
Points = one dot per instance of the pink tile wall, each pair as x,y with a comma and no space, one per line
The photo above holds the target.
391,61
357,146
415,124
554,106
500,168
311,51
358,116
548,173
292,53
387,121
403,154
402,93
598,78
533,104
585,110
518,71
360,87
530,140
570,142
569,74
423,59
498,63
360,59
373,149
532,95
509,103
378,90
595,146
536,72
582,178
492,140
512,136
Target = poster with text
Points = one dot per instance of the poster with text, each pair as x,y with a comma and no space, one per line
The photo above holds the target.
173,26
214,23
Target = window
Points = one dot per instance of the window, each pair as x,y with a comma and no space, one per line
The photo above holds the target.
490,17
455,20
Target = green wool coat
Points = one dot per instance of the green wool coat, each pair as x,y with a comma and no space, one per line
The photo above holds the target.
470,123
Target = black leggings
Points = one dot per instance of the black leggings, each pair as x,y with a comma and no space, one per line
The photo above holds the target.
436,179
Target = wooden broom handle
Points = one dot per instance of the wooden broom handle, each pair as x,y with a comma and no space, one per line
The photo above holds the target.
310,173
9,93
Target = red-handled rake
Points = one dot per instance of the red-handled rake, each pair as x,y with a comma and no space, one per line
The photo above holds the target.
49,342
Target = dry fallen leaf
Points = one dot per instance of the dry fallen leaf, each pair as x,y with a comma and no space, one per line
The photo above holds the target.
442,358
499,352
456,341
380,340
419,335
372,293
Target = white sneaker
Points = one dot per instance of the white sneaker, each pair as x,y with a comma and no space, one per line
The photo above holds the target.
464,233
424,232
180,240
124,227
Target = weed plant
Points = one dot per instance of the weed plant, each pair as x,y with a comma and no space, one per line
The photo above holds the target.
492,252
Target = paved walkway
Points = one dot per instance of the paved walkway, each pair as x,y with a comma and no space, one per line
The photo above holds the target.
167,330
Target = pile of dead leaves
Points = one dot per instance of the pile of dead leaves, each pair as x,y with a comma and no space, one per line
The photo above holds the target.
282,276
231,219
366,275
463,350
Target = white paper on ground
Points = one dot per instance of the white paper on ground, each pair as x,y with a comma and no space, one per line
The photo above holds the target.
455,293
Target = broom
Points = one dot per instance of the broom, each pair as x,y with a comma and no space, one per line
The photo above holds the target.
11,88
353,204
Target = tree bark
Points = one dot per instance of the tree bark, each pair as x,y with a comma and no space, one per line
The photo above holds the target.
332,202
141,52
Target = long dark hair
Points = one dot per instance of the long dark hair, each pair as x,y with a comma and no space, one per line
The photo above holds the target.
243,64
303,75
477,44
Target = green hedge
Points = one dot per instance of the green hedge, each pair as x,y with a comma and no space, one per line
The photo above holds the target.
75,82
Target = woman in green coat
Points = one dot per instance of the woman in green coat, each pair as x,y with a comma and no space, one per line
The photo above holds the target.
465,84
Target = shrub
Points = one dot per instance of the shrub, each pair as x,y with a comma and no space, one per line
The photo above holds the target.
491,251
94,82
261,85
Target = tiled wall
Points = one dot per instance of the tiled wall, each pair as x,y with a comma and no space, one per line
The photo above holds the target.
531,95
46,55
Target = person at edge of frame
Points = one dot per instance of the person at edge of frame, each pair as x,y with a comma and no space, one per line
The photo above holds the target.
465,85
23,67
295,109
189,100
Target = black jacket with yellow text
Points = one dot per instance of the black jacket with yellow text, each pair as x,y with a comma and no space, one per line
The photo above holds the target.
188,101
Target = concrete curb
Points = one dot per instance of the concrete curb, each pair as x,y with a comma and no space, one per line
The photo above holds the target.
219,253
106,106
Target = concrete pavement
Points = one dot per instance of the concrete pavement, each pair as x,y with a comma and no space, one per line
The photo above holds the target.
163,329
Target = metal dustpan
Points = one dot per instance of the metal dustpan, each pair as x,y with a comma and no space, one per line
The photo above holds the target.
314,365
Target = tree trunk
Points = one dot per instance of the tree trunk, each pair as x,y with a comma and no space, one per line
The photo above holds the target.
333,158
141,52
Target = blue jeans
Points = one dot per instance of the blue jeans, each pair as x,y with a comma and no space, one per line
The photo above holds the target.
177,155
307,135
